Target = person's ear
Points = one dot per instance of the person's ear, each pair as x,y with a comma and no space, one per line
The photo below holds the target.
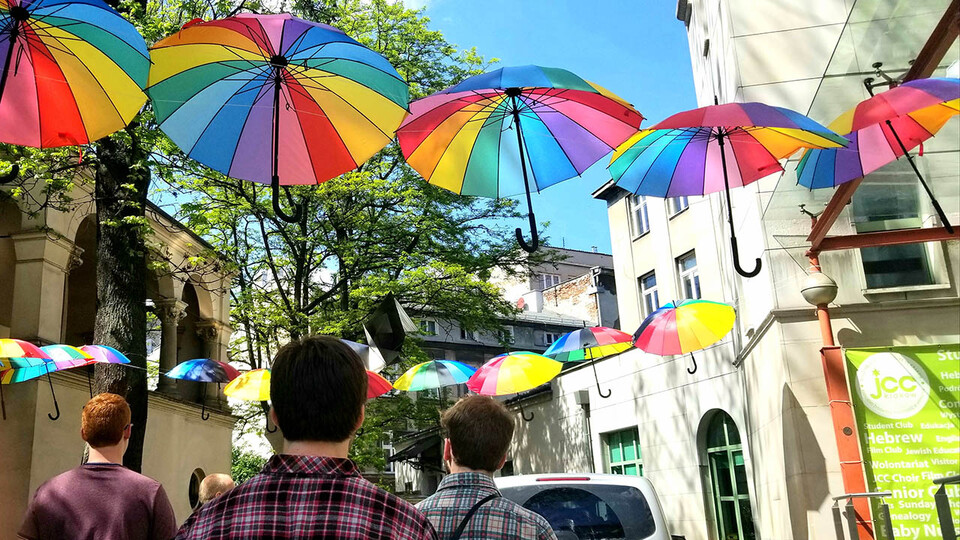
503,460
447,451
363,415
273,416
128,431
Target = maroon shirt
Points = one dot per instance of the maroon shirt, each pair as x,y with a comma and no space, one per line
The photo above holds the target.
307,497
99,501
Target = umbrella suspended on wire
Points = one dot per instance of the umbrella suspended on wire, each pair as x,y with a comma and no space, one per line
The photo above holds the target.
459,138
274,99
204,370
102,354
512,373
434,375
684,327
21,361
590,344
882,129
713,149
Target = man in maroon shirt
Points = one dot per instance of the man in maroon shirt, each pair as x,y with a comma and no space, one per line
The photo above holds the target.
318,387
101,499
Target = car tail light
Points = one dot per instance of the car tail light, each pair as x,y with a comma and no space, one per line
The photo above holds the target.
564,479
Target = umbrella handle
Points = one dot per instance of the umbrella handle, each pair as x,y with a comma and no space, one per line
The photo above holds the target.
266,426
204,415
596,378
524,415
736,261
54,394
534,236
10,176
297,208
933,200
3,405
694,359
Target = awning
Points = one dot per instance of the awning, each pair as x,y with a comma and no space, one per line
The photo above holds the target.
413,451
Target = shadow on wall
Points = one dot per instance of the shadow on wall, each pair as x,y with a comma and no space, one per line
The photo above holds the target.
888,328
554,441
806,468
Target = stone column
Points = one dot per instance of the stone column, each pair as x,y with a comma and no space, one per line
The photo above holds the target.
170,311
214,335
39,280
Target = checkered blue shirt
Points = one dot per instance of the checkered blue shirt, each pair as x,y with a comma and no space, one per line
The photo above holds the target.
499,519
307,497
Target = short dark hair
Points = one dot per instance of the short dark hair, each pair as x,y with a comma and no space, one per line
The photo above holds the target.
103,420
479,429
318,386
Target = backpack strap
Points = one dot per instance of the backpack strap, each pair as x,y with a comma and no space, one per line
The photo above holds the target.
473,510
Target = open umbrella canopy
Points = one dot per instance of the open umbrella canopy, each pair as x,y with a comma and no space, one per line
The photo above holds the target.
253,385
377,385
713,149
513,372
105,354
684,327
480,137
434,374
18,348
72,72
274,98
589,343
67,356
16,370
203,370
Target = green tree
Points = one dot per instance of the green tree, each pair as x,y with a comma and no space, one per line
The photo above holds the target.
244,465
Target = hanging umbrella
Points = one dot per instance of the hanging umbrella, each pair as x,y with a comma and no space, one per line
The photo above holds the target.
377,385
274,98
590,344
102,354
73,72
433,375
204,370
684,327
686,154
21,361
513,372
882,129
457,138
67,356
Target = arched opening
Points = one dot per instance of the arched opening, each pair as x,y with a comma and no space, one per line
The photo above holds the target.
80,297
193,490
189,344
729,494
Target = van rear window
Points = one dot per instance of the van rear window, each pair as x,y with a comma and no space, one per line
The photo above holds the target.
588,512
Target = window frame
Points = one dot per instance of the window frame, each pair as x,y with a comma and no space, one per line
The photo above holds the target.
545,333
608,464
692,273
638,206
674,206
542,281
655,291
424,326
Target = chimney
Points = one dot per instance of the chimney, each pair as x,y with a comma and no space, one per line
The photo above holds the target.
593,249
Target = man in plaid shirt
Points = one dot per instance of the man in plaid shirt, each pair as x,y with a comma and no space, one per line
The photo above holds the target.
467,503
318,387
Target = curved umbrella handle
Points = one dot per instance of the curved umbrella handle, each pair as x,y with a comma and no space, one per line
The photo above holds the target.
534,237
54,394
524,415
736,261
596,378
204,415
694,359
266,418
275,193
10,176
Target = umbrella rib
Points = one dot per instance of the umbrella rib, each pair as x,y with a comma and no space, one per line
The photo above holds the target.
352,106
214,116
246,119
646,147
560,146
455,135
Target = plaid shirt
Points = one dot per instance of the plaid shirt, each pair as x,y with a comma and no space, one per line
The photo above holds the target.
499,519
307,497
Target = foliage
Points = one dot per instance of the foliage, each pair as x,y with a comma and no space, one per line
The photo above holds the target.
244,465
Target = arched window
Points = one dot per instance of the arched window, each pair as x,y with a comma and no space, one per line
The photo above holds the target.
728,480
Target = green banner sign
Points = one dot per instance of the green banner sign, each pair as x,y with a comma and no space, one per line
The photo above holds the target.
907,405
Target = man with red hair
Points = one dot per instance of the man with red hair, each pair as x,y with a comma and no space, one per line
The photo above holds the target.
101,499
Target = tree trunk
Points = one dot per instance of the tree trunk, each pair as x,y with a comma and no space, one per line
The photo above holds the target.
122,180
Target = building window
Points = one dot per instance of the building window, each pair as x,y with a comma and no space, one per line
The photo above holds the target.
639,219
428,327
678,204
193,489
466,334
550,337
623,452
388,466
649,297
548,280
891,202
506,334
689,276
728,479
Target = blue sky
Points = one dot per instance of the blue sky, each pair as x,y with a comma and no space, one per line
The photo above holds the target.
635,48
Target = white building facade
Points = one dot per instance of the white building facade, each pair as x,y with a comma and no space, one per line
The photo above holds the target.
750,444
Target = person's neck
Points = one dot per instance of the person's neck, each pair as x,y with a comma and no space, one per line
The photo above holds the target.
317,448
454,469
106,454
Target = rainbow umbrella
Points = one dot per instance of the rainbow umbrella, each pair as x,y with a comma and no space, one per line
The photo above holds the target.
590,344
684,327
274,98
687,153
881,129
67,356
204,370
104,354
459,139
434,374
73,72
513,372
377,385
21,361
253,385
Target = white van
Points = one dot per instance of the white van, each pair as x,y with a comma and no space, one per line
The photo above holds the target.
590,506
